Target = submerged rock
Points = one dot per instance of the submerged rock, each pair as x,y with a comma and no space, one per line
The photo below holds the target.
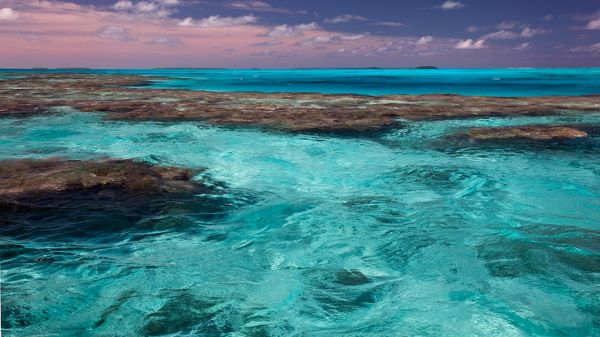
181,313
351,277
339,291
118,97
527,132
187,314
75,200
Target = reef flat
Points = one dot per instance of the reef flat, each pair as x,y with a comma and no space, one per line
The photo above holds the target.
124,97
529,132
24,178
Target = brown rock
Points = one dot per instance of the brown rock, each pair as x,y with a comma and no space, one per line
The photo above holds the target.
27,178
527,132
297,112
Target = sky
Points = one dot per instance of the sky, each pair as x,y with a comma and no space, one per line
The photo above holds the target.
294,33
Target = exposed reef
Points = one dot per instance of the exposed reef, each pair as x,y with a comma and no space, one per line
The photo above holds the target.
121,97
533,132
27,178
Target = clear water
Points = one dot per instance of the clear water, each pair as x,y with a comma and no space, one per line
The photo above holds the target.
408,233
455,238
482,82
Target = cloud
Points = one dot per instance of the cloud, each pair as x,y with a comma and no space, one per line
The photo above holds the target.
187,22
267,43
424,40
523,46
473,29
166,41
592,21
259,6
119,33
325,40
123,5
345,18
548,17
216,21
353,37
151,8
507,24
526,32
449,5
389,24
289,31
470,44
531,32
8,14
501,35
595,48
593,25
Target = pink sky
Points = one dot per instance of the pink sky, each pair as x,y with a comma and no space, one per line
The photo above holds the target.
40,33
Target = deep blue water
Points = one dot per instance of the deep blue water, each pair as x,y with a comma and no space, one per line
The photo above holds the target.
483,82
407,233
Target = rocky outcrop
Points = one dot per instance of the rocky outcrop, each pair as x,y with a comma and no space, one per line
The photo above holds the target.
27,178
535,132
120,97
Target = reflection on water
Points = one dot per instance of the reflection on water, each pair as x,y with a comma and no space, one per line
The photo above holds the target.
414,232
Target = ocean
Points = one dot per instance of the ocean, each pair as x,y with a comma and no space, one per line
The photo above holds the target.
407,232
472,82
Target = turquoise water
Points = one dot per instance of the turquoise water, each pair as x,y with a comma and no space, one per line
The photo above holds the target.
408,233
413,232
483,82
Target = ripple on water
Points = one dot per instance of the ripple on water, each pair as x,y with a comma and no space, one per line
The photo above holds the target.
408,233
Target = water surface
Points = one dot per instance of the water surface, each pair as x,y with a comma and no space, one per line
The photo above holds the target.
412,232
473,82
407,233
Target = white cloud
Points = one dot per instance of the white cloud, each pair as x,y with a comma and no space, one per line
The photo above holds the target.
523,46
526,32
218,21
424,40
548,17
595,48
593,25
123,5
345,18
288,30
324,40
169,2
470,44
389,24
472,29
501,35
119,33
393,47
507,24
152,8
449,5
251,5
8,14
166,41
531,32
353,37
259,6
267,43
187,22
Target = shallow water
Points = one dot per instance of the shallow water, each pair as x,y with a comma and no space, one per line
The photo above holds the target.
412,232
478,82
